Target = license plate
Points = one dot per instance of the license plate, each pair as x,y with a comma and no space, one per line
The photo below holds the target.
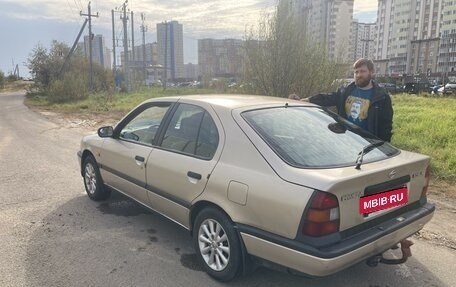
384,200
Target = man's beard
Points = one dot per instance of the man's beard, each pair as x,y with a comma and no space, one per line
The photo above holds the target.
362,83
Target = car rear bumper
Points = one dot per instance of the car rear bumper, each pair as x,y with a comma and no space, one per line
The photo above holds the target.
331,259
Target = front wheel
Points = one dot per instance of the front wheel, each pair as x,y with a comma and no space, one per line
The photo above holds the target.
217,245
93,182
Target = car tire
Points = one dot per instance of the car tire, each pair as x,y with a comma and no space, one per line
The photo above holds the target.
93,182
217,245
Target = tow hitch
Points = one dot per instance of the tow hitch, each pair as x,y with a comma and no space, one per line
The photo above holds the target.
406,253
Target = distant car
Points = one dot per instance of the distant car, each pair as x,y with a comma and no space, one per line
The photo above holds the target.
389,87
416,88
435,89
262,179
449,88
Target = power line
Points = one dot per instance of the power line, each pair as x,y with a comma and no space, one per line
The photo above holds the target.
74,8
80,4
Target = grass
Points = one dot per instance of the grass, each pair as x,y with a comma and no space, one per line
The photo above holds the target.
421,124
427,125
116,102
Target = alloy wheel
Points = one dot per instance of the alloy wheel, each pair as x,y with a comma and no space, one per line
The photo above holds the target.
90,178
214,244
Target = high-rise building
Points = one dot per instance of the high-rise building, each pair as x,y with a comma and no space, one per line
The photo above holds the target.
328,22
220,58
363,40
407,35
151,53
171,49
100,54
383,30
145,61
150,58
191,71
447,51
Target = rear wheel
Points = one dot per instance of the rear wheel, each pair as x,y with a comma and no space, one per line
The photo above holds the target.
217,245
93,182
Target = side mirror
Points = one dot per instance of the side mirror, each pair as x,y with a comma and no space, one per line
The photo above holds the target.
105,132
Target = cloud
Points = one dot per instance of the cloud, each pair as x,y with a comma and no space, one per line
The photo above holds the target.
227,18
361,6
60,19
200,18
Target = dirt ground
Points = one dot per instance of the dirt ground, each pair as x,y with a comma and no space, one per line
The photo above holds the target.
441,230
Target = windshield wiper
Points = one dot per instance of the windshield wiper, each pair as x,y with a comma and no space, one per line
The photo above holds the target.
366,149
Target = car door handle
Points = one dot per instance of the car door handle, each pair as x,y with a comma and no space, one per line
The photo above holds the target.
139,158
194,175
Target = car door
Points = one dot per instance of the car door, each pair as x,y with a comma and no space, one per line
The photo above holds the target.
123,157
178,169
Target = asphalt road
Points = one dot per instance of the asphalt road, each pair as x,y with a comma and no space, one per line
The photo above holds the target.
51,234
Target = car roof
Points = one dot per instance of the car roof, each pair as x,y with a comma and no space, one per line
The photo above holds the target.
230,101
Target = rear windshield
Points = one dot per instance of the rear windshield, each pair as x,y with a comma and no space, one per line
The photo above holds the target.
311,137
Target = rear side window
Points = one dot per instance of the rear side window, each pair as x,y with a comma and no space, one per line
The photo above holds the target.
310,137
208,138
191,131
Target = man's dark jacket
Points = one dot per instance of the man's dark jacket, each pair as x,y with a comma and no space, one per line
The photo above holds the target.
380,113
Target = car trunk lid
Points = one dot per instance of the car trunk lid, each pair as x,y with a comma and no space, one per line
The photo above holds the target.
376,189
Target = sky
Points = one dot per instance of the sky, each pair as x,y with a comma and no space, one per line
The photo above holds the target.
28,23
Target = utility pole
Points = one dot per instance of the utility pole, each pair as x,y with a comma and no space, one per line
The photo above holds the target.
67,58
90,42
143,30
15,69
166,55
132,39
114,66
125,44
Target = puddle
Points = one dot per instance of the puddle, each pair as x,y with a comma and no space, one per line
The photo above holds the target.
122,208
190,261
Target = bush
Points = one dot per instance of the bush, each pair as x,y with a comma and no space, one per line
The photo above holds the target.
12,78
64,81
73,87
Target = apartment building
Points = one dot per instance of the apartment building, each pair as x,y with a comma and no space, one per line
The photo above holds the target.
171,49
447,52
100,54
147,53
328,22
363,37
191,71
408,35
220,58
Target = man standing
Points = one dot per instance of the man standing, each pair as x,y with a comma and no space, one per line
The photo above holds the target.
363,102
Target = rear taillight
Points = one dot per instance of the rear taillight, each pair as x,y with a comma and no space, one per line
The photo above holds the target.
322,217
427,178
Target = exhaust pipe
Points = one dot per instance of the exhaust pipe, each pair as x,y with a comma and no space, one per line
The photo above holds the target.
406,253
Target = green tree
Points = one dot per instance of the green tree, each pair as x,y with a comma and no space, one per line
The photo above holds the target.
280,58
65,83
45,65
